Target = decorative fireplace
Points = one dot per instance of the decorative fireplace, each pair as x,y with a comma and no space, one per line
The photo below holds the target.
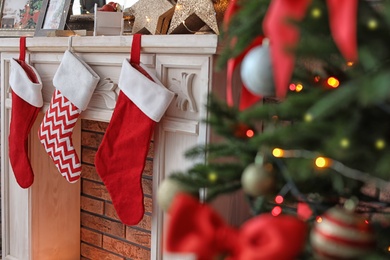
43,222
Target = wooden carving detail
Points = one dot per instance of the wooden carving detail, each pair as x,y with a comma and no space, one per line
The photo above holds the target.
183,89
105,95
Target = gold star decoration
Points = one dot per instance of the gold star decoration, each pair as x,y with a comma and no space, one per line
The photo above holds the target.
191,15
151,16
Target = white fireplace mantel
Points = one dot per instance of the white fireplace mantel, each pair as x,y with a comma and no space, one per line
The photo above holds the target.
43,222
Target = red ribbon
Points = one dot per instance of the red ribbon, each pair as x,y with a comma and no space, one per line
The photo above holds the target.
343,26
247,99
196,228
284,36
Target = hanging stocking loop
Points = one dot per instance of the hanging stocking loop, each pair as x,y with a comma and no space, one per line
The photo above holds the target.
136,49
22,48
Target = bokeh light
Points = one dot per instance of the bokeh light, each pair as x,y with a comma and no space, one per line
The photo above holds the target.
277,152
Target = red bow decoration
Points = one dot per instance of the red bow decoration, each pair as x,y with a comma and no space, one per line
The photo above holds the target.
195,228
285,36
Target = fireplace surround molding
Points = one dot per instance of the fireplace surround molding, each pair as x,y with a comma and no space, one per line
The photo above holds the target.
43,222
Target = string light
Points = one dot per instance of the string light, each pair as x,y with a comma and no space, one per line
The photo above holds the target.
344,143
308,117
321,162
212,176
295,87
388,248
333,164
298,88
276,211
318,219
277,152
380,144
316,13
333,82
317,79
250,133
147,19
372,24
350,63
279,199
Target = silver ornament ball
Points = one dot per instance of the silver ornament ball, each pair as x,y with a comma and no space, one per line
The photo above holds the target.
256,71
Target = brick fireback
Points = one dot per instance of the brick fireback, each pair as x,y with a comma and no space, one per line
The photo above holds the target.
103,236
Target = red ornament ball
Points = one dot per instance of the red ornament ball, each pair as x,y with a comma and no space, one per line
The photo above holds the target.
341,234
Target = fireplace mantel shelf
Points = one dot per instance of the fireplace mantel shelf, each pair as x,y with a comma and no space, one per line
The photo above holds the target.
177,44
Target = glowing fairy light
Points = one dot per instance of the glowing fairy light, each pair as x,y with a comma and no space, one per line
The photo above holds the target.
298,88
212,176
372,24
277,152
276,211
316,13
279,199
344,143
321,162
250,133
333,82
380,144
308,117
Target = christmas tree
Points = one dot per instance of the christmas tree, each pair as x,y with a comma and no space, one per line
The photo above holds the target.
316,143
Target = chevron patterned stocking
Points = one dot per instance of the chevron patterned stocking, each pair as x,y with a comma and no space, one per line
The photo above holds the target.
75,82
55,134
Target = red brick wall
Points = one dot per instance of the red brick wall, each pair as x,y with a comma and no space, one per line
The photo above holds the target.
103,236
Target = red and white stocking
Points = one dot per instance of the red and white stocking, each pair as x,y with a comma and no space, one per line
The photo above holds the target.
75,83
120,159
27,100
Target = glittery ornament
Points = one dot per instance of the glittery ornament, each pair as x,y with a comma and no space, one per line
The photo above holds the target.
167,190
256,71
341,234
258,179
192,15
151,16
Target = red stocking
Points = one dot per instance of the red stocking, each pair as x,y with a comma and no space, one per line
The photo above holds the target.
26,102
120,159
